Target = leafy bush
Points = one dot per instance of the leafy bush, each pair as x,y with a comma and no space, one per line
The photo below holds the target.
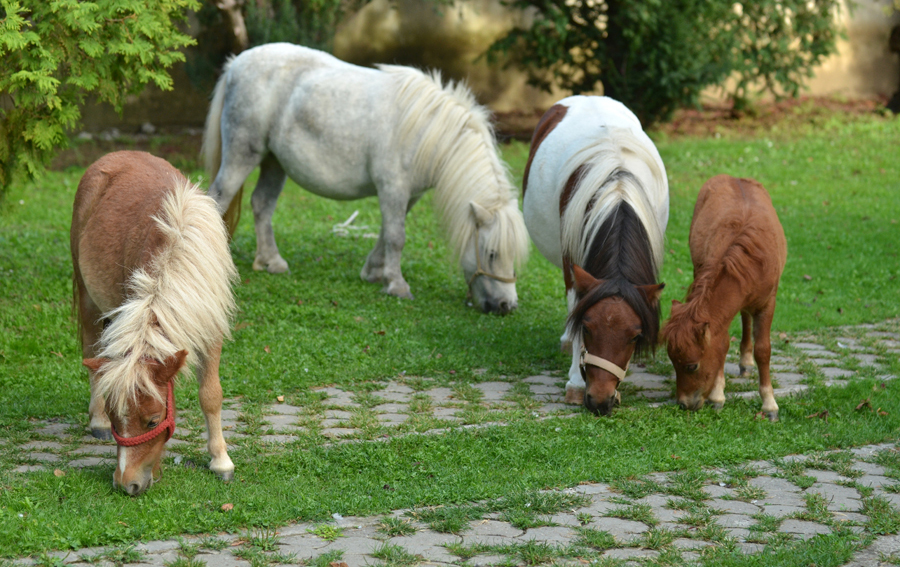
54,52
658,55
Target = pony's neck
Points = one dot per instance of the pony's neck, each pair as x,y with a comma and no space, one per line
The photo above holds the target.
719,299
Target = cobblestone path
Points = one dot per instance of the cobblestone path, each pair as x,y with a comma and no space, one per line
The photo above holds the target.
664,516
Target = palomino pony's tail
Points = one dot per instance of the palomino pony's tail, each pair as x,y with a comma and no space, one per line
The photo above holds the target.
211,150
181,300
456,153
612,161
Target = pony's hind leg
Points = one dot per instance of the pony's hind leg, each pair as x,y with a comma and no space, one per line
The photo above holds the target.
91,326
383,262
746,364
762,352
265,197
211,404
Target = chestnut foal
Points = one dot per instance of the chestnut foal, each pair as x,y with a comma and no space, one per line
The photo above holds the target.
738,250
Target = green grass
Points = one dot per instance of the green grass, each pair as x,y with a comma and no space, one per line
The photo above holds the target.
321,325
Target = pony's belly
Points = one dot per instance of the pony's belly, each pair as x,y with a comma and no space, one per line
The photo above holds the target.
542,221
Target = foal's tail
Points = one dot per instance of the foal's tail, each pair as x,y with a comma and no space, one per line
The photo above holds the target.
211,150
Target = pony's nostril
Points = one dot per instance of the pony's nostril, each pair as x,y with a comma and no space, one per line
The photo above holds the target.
133,489
682,405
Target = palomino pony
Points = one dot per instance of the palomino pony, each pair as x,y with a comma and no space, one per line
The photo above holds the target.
596,203
348,132
152,284
738,250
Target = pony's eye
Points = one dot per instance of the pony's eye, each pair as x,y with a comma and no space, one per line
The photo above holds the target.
636,339
152,424
690,368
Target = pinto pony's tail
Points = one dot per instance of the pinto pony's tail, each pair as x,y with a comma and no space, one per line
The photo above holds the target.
211,150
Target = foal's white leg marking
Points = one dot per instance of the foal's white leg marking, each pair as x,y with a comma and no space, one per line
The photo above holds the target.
769,405
717,396
211,404
575,385
265,197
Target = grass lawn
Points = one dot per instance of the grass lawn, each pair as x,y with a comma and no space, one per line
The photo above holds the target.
835,187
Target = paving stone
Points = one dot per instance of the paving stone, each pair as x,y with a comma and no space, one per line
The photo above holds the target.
830,372
653,500
429,545
392,418
285,409
808,346
485,560
353,545
803,529
277,439
338,432
494,390
556,407
685,543
826,476
839,498
773,485
57,429
542,379
625,553
90,462
548,534
850,517
98,450
875,481
622,530
779,511
750,548
440,396
733,506
41,445
592,488
540,390
493,528
735,521
866,359
716,491
868,468
563,519
739,534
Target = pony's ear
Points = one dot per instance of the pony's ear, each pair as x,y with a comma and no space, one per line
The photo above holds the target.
170,366
704,332
94,363
675,303
652,292
584,282
482,215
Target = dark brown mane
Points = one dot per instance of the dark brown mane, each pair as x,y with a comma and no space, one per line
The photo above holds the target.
620,255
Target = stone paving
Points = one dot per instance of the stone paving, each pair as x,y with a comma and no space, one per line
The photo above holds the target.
648,520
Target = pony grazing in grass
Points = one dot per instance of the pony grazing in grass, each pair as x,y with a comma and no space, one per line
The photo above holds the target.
596,204
348,132
152,289
738,250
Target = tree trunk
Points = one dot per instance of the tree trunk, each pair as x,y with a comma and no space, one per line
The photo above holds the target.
232,9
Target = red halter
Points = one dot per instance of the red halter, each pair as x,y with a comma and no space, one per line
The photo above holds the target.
168,425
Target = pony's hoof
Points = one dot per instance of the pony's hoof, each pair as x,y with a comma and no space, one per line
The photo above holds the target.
277,266
575,396
746,371
772,415
398,289
104,434
225,476
717,405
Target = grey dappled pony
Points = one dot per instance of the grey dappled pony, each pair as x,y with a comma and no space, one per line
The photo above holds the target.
348,132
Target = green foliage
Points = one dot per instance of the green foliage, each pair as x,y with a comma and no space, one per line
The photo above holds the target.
312,24
53,53
658,55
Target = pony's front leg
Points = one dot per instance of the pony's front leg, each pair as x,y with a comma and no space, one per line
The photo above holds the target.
91,328
575,385
746,364
211,404
265,197
383,263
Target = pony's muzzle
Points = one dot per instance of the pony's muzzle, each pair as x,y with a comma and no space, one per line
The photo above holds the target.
602,407
692,402
500,307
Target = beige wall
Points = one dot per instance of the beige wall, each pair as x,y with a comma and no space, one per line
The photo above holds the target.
414,32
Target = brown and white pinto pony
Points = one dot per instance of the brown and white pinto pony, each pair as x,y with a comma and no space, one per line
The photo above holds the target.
596,204
152,289
738,250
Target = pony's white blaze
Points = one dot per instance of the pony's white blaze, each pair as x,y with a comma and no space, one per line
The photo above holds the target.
348,132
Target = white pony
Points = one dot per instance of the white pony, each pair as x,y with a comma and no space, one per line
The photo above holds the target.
347,132
596,204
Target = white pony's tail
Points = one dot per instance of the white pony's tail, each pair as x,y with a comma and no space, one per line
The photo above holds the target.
211,150
588,209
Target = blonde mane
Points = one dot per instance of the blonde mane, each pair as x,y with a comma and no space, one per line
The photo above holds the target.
182,299
595,197
457,154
